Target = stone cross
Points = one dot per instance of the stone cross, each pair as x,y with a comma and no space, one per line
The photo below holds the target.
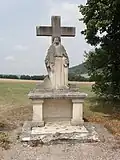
55,30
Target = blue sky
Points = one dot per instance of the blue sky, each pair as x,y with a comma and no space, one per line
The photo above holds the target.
21,52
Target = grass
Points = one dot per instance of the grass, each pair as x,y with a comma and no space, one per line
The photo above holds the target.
4,140
15,108
100,111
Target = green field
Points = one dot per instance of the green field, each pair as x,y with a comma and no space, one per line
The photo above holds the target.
14,103
15,107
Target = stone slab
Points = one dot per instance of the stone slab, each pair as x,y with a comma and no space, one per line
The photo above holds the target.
57,110
58,132
61,127
55,94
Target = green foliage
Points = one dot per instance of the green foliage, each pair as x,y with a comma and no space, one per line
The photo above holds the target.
75,73
74,77
27,77
38,77
102,22
24,77
99,16
9,76
79,69
98,69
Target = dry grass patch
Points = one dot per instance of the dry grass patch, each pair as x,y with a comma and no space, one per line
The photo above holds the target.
4,140
106,113
14,108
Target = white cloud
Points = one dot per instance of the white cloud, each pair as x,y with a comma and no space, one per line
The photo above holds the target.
20,47
10,58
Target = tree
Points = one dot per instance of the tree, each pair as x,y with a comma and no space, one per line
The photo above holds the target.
102,21
25,77
38,77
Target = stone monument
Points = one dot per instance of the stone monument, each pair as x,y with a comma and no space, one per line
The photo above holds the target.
57,106
53,100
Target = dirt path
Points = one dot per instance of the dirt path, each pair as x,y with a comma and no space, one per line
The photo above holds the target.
101,151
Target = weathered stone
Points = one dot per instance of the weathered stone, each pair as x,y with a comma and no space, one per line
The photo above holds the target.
55,30
59,131
56,105
57,63
58,127
52,94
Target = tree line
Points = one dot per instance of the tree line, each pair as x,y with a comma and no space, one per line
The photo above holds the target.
23,77
71,77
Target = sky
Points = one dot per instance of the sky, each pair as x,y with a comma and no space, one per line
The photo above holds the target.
21,52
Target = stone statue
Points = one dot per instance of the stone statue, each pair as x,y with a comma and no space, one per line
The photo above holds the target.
57,63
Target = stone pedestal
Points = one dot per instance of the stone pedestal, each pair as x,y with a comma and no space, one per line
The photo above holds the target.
57,105
77,112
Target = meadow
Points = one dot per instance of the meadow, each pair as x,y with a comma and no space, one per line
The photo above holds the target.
15,107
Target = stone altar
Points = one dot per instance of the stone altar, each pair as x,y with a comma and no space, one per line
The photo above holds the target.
54,100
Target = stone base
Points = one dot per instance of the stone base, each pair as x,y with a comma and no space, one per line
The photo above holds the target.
38,124
57,110
57,132
57,105
76,123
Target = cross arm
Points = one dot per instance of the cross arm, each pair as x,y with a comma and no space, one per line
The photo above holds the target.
68,31
44,31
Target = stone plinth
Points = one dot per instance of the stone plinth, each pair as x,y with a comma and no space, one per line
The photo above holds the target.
57,105
58,132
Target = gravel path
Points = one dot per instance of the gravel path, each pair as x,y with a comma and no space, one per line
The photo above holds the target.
107,149
96,151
